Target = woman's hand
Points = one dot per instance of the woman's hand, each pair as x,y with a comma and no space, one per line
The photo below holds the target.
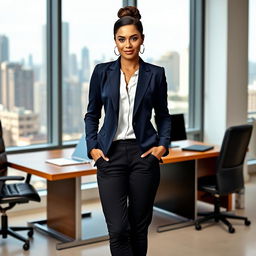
97,153
156,151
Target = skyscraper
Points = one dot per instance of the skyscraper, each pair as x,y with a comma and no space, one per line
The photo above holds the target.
17,86
72,116
85,65
4,48
73,65
65,50
30,61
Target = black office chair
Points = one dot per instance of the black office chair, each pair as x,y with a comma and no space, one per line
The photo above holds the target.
229,176
178,128
12,194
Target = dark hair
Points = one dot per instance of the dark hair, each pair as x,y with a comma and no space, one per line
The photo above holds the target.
128,15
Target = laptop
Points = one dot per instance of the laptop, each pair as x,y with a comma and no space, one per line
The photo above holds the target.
79,156
199,148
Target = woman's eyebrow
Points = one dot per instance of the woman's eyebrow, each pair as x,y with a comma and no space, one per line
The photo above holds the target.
130,36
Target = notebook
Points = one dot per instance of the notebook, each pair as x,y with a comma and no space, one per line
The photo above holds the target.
79,156
200,148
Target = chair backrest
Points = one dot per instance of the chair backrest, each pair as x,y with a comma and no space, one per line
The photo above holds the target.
178,128
3,157
230,162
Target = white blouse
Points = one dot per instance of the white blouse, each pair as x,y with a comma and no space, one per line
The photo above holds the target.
126,104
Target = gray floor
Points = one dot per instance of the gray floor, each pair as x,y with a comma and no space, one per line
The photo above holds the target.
210,241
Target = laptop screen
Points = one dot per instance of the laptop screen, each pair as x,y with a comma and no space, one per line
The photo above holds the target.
80,151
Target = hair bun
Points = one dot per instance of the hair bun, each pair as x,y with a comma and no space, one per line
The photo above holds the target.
129,11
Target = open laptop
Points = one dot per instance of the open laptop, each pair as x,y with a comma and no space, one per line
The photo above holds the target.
79,156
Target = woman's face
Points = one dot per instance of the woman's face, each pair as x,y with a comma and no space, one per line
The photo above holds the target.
128,41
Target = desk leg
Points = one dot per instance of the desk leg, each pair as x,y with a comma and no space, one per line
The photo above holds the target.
64,215
64,207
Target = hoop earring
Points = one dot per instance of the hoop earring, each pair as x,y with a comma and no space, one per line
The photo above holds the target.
143,49
115,51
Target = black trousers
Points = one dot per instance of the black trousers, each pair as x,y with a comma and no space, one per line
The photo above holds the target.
127,186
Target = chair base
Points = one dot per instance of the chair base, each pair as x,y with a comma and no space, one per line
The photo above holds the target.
5,231
221,216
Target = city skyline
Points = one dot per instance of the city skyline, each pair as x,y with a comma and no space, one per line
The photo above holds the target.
36,12
85,28
75,84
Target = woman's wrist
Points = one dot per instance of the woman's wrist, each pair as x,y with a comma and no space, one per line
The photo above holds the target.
162,148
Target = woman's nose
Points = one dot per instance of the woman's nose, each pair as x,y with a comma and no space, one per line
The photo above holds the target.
128,43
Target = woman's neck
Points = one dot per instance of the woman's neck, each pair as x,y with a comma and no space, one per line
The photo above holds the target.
129,64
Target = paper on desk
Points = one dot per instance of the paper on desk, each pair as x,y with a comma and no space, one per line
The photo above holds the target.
65,161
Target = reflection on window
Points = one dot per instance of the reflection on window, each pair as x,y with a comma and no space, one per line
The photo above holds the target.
87,39
252,61
166,29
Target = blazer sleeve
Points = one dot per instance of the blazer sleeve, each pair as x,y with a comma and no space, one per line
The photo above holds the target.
162,116
93,114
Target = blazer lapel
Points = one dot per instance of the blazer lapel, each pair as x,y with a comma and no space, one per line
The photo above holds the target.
143,82
113,81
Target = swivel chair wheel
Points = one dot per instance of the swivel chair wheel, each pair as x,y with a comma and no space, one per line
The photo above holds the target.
198,226
247,223
30,233
26,246
231,230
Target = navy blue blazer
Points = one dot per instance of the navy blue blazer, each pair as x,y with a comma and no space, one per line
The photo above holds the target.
151,93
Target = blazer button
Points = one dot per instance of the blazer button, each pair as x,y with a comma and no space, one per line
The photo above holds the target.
134,123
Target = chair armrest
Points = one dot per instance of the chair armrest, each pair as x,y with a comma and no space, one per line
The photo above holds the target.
5,178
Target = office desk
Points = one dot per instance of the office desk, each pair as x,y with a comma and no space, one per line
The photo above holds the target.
63,194
180,170
177,192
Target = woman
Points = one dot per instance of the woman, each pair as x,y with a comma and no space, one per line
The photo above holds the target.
127,149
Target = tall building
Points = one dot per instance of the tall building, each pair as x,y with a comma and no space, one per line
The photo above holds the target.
4,48
171,62
17,124
85,65
65,50
17,86
73,65
72,116
30,61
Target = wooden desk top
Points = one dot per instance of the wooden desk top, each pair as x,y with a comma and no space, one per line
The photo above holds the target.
178,155
34,163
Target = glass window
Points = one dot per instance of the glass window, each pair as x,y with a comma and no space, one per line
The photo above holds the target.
22,72
166,29
87,39
23,108
252,61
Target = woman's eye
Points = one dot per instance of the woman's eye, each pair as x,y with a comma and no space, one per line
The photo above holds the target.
134,38
121,40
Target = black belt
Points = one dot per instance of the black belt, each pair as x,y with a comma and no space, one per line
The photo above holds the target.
125,141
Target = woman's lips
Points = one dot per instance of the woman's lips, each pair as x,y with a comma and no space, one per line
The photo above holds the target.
128,52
